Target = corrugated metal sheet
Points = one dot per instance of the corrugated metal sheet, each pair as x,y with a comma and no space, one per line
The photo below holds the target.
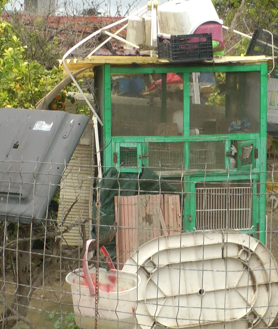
75,192
142,218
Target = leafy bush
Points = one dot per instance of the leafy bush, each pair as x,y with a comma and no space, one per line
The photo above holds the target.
22,82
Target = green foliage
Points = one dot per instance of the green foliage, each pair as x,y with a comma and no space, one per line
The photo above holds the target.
22,82
64,321
217,98
274,145
260,14
83,109
2,4
42,44
255,14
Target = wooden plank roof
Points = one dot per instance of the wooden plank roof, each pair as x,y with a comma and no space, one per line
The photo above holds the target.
75,64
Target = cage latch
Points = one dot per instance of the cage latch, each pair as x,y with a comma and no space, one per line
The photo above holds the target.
144,156
115,157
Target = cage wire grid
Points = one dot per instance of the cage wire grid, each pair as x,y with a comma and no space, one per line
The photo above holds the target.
169,276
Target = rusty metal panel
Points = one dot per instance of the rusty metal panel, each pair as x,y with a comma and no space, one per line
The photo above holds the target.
142,218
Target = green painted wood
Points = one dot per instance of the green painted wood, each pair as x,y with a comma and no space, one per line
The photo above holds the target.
185,69
262,153
186,105
107,141
192,138
257,174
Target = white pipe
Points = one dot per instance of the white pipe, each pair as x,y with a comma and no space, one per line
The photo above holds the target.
154,22
249,37
140,11
95,124
152,29
237,32
121,39
105,41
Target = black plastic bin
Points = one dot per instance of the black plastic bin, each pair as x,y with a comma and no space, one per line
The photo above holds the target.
261,44
185,48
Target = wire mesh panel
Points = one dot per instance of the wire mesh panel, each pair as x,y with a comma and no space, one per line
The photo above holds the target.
166,155
228,103
154,274
128,156
147,105
157,274
207,155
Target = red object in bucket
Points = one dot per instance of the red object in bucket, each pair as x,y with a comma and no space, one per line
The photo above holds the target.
90,279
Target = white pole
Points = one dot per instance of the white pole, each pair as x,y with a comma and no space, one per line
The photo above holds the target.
121,39
249,37
152,30
95,125
105,41
143,9
237,32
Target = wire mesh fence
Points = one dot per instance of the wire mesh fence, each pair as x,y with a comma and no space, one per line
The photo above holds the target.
166,252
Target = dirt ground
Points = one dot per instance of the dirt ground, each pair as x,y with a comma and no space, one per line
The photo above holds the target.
47,305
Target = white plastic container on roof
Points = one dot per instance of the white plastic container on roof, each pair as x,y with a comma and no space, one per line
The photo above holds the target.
205,280
139,31
180,17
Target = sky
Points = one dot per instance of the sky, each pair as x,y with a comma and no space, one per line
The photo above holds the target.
77,5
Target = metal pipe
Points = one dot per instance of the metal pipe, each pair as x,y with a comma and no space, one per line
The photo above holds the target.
121,39
249,37
237,32
140,11
97,143
105,41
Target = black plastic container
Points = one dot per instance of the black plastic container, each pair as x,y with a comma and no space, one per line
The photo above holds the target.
185,48
261,44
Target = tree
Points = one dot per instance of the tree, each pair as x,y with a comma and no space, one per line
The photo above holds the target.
246,16
22,82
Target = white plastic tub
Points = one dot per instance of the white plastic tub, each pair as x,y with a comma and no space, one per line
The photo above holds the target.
116,308
117,296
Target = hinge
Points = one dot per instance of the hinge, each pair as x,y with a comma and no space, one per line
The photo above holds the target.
143,156
115,157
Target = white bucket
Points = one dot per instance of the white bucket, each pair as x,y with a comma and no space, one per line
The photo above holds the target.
117,298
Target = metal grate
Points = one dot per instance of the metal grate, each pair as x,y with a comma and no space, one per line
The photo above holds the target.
223,208
166,155
207,155
128,156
